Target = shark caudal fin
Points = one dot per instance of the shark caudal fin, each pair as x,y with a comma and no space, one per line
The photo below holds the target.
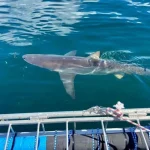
68,82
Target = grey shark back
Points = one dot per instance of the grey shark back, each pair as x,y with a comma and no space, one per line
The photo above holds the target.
68,66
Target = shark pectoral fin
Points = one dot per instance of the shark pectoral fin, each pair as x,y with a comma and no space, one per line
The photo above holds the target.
71,53
68,82
119,76
95,55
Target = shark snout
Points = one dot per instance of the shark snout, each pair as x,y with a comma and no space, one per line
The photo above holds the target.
24,57
30,58
27,57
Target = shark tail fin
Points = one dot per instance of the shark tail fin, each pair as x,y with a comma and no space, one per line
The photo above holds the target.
68,82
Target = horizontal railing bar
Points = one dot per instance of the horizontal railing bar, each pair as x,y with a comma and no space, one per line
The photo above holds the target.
62,120
45,115
66,114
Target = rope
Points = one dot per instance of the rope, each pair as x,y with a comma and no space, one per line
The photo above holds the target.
70,133
119,115
107,143
148,133
98,139
93,140
134,138
125,136
34,144
55,140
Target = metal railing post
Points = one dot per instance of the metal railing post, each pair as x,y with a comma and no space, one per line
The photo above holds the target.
66,135
43,127
12,130
5,147
74,128
138,121
37,136
105,136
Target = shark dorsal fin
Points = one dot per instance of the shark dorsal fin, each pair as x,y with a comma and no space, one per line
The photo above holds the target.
95,55
71,53
68,82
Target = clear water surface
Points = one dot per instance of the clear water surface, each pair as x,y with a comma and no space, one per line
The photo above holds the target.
119,29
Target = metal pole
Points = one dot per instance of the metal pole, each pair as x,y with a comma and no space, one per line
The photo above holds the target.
12,130
105,136
37,136
138,121
74,125
5,147
43,127
73,135
66,135
106,124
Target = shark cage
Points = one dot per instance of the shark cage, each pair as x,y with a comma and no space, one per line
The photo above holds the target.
134,137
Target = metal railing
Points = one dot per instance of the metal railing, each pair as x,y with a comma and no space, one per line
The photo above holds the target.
40,119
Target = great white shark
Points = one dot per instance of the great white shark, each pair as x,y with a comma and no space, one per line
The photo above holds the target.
69,65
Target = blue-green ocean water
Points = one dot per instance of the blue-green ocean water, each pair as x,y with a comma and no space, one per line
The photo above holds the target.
119,29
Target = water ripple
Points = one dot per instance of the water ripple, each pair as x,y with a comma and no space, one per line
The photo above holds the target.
22,21
131,3
34,17
126,18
